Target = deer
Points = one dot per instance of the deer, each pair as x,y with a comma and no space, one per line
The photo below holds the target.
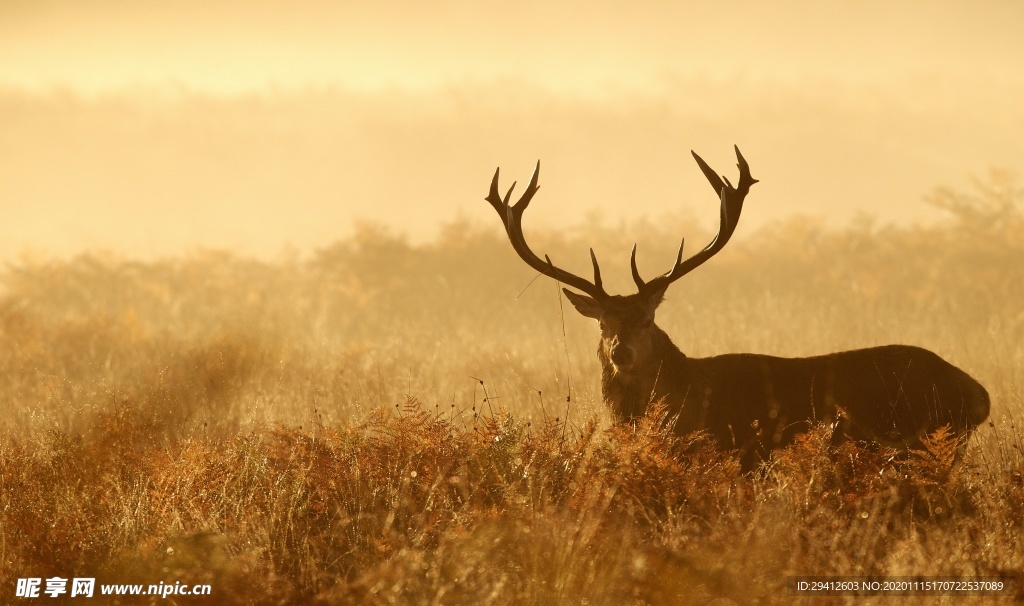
890,396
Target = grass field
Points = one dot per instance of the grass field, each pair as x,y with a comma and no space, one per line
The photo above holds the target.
388,423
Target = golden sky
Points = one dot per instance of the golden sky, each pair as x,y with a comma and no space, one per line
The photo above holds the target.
156,127
576,46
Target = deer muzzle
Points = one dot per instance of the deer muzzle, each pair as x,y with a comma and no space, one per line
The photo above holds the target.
622,355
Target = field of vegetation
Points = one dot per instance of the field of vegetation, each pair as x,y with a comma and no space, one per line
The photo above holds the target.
388,423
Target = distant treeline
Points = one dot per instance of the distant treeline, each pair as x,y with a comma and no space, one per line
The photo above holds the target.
374,318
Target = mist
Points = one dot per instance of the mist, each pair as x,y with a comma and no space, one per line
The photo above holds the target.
150,131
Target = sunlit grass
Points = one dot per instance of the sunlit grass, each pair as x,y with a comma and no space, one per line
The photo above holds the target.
388,423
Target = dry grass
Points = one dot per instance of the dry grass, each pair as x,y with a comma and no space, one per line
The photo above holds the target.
308,431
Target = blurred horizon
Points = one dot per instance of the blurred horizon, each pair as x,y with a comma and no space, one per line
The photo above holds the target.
149,129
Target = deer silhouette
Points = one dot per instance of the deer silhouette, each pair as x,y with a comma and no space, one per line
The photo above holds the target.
892,395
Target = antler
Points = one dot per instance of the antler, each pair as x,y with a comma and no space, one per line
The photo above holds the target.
512,218
732,205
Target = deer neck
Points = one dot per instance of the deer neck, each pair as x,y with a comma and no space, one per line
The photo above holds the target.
629,392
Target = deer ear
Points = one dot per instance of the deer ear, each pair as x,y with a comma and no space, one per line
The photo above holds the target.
655,298
584,304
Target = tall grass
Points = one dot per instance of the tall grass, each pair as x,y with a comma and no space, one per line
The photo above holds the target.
390,423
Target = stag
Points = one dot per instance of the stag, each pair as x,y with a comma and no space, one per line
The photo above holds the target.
892,395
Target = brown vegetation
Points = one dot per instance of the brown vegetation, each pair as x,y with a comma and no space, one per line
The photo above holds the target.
308,431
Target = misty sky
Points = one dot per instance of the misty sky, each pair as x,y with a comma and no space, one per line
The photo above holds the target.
842,107
232,46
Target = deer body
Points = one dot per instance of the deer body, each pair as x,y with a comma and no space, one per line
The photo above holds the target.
891,395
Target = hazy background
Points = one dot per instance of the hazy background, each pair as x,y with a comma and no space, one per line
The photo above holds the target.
149,128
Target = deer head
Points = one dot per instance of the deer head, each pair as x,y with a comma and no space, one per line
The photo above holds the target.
629,336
